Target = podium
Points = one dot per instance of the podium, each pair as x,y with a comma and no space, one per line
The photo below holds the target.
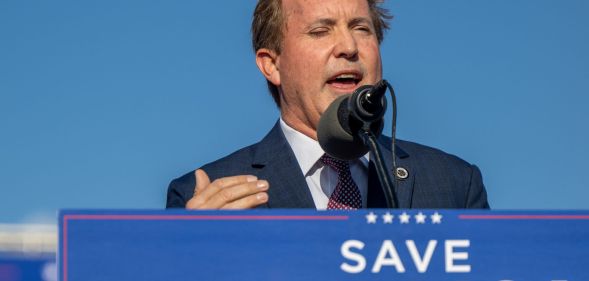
378,244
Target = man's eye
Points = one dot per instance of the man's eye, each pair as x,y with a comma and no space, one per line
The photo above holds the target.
365,29
319,32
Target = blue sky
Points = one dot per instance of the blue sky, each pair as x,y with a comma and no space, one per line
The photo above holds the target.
102,103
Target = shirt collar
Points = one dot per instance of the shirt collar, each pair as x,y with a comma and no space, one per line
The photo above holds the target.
307,150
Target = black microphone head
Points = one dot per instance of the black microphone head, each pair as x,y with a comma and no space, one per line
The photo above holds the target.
337,131
368,102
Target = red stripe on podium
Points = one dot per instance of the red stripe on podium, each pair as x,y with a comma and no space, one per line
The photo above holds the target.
523,217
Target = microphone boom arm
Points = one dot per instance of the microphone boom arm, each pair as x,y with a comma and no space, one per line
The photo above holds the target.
383,176
374,95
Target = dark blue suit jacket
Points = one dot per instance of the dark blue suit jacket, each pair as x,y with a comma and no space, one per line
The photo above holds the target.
436,179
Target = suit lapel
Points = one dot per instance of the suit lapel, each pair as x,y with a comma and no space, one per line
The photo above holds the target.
403,187
276,163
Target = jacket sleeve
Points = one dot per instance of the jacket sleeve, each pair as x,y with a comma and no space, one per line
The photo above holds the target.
180,191
476,197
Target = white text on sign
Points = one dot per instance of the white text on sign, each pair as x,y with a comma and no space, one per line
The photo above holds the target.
389,256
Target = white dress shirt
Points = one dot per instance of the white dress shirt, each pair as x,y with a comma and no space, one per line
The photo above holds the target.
320,178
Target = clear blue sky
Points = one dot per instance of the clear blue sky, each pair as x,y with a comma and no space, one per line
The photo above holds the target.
102,103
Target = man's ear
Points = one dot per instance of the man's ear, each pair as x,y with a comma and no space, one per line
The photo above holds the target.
267,61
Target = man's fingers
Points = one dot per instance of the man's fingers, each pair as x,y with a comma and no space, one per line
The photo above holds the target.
202,181
248,202
223,183
228,195
230,181
214,195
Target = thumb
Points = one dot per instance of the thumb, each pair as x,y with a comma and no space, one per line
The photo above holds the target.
202,181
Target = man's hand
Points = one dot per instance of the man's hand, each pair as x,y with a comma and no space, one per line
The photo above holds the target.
237,192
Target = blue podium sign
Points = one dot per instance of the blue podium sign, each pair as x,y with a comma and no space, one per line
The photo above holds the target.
403,245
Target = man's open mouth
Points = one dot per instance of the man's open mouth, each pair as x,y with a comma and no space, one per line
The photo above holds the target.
345,80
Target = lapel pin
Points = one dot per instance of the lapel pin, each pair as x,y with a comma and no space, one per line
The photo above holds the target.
401,173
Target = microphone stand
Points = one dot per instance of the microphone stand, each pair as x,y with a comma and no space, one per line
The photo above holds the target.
370,140
384,177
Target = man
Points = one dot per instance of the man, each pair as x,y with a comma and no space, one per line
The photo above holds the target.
311,52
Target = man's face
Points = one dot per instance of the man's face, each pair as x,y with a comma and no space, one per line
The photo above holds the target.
329,49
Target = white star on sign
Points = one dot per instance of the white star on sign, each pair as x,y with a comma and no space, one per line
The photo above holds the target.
371,218
420,218
404,217
387,218
436,218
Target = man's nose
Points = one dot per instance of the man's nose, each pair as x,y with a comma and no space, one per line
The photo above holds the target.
346,46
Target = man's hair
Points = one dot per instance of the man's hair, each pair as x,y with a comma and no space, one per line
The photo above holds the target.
269,21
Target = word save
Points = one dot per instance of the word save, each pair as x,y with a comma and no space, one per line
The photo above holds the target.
389,256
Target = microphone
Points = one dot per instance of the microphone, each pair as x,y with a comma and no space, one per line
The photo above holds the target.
340,124
368,103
